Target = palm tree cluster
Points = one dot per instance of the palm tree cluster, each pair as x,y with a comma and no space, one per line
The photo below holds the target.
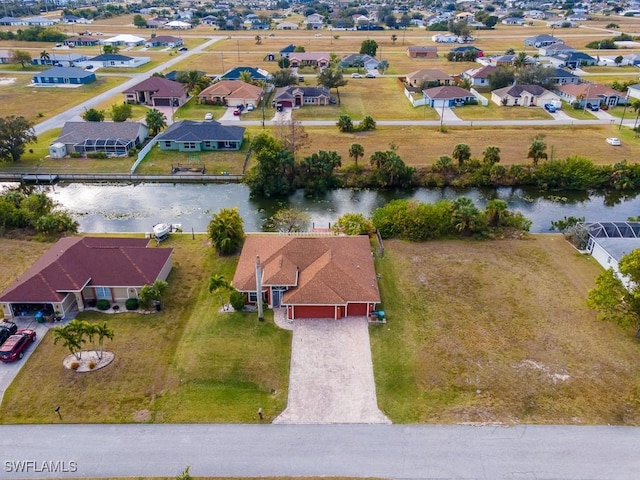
78,332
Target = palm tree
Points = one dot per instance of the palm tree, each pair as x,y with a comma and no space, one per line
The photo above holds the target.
466,217
44,56
190,79
496,211
394,37
461,153
156,121
245,76
537,149
218,281
491,155
226,231
356,151
70,340
102,331
520,60
635,106
258,39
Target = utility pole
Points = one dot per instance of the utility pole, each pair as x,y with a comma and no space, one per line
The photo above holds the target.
259,288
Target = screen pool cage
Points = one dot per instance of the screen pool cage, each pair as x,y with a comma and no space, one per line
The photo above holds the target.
613,229
110,146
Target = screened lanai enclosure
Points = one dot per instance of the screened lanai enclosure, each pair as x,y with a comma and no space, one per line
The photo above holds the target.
613,229
110,146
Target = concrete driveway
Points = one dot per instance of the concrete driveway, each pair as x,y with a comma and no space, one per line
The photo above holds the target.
331,376
283,116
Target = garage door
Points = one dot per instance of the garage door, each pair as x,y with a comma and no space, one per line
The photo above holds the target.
162,102
286,103
357,309
316,311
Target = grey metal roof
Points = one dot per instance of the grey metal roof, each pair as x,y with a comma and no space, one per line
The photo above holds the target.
618,247
613,229
80,132
191,131
69,72
106,57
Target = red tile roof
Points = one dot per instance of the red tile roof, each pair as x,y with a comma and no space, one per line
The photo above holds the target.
74,262
327,270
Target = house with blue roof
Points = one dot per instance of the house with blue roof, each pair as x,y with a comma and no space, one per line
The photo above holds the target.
572,60
115,60
288,50
564,77
64,76
255,72
192,136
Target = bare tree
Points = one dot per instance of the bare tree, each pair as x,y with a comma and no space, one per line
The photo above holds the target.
292,135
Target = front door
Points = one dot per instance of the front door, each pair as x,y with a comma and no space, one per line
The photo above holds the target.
277,298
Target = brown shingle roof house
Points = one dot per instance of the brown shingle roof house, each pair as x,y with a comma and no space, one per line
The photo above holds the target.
157,92
78,270
311,276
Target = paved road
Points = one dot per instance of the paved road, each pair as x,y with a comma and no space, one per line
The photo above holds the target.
389,451
73,112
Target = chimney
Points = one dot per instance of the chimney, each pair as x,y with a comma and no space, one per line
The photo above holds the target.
259,288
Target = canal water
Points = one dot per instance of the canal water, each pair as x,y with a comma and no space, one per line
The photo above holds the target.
136,208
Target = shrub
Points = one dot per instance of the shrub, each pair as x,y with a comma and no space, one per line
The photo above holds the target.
74,365
132,304
100,155
236,299
103,304
75,155
92,365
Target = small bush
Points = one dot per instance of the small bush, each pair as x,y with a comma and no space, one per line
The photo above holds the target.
132,304
74,365
100,155
92,365
103,304
237,300
75,155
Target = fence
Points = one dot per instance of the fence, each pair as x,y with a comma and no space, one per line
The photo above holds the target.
143,153
414,102
482,100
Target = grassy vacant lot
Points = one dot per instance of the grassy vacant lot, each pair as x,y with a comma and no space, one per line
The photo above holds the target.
497,331
48,101
494,111
188,363
423,145
160,162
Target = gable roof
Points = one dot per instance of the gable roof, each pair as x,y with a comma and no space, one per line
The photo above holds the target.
288,49
481,72
256,73
164,38
68,72
562,73
517,90
430,74
447,91
161,87
72,263
191,131
232,88
424,49
309,56
327,270
107,57
78,132
311,92
590,89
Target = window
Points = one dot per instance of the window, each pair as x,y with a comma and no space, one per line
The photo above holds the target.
167,143
253,297
103,292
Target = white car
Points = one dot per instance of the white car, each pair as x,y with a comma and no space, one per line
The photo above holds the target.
208,116
356,75
613,141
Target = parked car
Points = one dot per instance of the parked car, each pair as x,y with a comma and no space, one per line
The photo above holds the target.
550,108
356,75
240,107
183,49
89,67
279,108
250,107
614,141
6,330
594,107
236,112
208,116
300,79
370,75
15,346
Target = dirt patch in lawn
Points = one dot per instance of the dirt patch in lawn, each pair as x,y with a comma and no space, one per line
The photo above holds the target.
498,332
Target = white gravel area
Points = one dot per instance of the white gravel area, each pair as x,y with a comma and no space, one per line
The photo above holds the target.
331,376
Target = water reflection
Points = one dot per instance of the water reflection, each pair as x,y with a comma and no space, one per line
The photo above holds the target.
136,208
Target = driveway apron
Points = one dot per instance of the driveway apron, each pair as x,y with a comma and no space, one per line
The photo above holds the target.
331,377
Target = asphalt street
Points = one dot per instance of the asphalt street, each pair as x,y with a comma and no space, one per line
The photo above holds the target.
389,451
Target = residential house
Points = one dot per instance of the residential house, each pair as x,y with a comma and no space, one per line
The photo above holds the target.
310,59
572,60
209,20
443,38
555,48
422,52
124,40
523,95
468,48
311,277
314,21
115,60
231,93
157,92
255,72
431,77
563,77
64,76
479,77
164,41
75,19
610,241
296,97
498,60
447,96
512,21
590,93
81,41
287,51
633,91
59,59
77,271
12,21
209,135
177,25
39,21
359,60
287,26
542,40
112,138
6,56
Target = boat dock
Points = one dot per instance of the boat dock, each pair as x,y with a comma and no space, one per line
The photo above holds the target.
40,178
51,178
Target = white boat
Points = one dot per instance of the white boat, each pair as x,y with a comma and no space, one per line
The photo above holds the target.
161,231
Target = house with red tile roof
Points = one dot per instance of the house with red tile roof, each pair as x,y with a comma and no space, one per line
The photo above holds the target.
590,93
231,93
156,92
77,271
311,276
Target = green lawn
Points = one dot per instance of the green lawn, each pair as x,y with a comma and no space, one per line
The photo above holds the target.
580,114
497,112
188,363
159,162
